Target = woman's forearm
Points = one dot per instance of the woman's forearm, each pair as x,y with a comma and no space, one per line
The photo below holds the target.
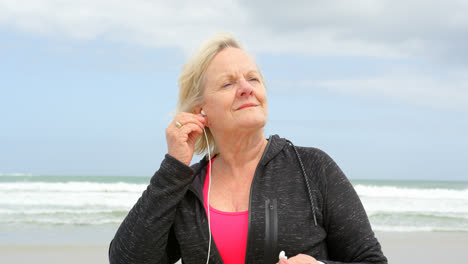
144,234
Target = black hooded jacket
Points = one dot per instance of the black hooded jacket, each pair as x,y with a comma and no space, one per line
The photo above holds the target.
300,202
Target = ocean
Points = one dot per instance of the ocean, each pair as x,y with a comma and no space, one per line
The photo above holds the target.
67,209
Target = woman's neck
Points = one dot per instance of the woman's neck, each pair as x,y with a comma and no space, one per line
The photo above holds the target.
240,152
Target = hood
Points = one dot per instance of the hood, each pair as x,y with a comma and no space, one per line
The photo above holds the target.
274,146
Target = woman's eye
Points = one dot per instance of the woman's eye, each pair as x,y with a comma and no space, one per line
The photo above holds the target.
254,79
226,85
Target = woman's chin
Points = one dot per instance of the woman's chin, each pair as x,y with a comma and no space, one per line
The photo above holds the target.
253,124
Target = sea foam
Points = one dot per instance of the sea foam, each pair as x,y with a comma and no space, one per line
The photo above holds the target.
50,201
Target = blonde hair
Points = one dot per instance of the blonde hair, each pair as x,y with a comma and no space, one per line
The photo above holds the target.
191,82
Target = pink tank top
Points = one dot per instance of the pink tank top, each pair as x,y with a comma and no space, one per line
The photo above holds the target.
229,230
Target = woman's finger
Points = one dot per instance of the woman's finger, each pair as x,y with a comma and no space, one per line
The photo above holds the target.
177,124
190,128
184,118
302,259
181,135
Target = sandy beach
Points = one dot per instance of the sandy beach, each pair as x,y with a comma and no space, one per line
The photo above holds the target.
54,254
425,247
400,248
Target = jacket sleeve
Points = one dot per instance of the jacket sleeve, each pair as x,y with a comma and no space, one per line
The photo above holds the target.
350,238
146,234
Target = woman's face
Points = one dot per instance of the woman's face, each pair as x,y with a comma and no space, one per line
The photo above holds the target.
234,96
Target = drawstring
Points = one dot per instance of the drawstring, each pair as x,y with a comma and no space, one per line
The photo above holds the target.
306,180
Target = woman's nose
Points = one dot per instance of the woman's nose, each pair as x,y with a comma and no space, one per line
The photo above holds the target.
245,88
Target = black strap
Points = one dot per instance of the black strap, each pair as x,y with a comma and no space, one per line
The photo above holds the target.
306,180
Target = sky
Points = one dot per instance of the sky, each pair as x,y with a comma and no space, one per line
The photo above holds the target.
88,87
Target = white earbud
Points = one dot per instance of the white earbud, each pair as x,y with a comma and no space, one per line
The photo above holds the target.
282,255
203,112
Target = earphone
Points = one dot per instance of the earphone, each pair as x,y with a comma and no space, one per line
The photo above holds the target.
208,196
282,255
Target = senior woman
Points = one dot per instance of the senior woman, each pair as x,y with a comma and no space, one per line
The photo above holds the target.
250,198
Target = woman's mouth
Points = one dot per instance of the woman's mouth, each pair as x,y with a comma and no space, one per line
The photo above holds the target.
246,105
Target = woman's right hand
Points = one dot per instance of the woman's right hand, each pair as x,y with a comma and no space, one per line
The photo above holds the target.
181,140
299,259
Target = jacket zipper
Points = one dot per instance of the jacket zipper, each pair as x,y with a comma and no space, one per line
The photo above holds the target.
271,231
250,199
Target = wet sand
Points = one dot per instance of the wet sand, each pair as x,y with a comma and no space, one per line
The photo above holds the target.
400,248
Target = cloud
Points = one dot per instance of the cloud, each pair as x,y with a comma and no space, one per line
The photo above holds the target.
431,29
152,23
428,29
403,85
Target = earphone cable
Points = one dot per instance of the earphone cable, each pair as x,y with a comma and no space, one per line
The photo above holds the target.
208,198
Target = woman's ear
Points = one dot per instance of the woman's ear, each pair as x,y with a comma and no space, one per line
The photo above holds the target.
196,110
199,110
